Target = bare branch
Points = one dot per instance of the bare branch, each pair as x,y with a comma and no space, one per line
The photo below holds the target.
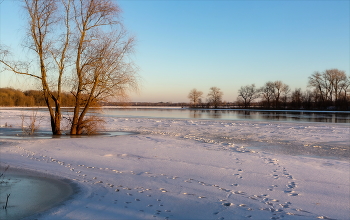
72,36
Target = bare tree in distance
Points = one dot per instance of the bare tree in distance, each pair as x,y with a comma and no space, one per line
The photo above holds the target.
279,88
344,87
308,97
248,93
319,84
83,41
284,95
329,85
267,93
195,97
336,78
297,98
215,96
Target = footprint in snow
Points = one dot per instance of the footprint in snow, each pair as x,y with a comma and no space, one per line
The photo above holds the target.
293,193
163,190
253,197
239,192
189,194
291,185
302,210
285,205
324,217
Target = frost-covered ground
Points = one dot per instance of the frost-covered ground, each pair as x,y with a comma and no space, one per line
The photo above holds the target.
194,169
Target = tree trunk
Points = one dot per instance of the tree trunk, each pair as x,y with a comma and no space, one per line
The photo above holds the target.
56,128
55,125
74,127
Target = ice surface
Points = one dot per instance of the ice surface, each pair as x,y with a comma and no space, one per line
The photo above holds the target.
194,169
30,193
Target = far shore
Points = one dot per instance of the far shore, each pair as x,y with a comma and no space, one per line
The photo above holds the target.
189,108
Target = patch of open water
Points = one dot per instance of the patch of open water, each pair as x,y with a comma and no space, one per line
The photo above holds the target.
30,193
15,133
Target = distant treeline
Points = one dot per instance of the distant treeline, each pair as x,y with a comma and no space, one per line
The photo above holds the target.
327,90
13,97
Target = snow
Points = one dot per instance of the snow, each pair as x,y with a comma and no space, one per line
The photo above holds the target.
193,169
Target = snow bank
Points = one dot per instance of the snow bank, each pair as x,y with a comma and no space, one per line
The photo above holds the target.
194,169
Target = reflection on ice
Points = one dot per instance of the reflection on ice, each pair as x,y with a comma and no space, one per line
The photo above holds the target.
231,114
13,133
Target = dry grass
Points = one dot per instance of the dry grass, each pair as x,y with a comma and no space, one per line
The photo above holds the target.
30,124
92,125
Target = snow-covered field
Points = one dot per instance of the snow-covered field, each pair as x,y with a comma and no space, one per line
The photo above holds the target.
194,169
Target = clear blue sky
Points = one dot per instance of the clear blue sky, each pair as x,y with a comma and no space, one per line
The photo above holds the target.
183,45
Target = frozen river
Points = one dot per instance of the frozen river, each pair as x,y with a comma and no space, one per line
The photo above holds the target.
186,168
282,132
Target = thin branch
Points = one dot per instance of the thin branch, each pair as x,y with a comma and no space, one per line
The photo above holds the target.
13,69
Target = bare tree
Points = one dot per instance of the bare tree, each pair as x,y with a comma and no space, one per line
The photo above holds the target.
284,95
278,85
336,78
317,81
101,67
344,88
279,89
41,19
83,37
195,97
297,98
267,93
328,85
248,93
308,98
215,96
